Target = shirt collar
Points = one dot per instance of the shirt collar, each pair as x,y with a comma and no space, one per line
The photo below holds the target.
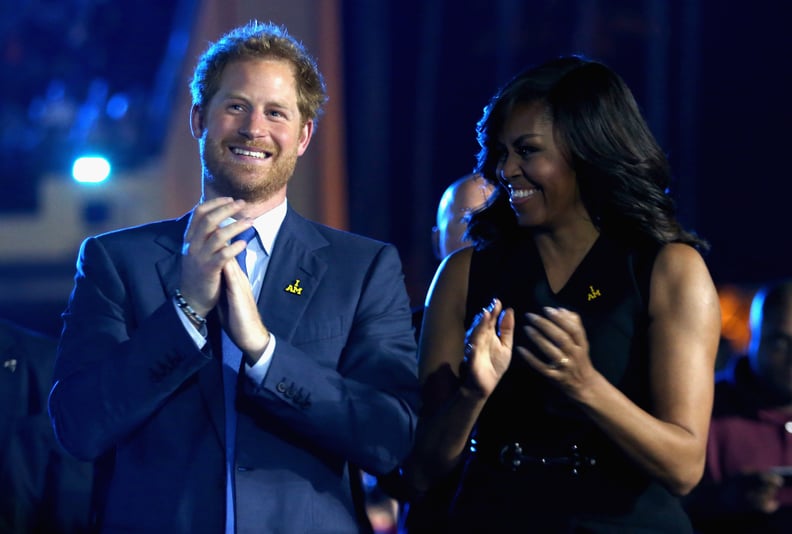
268,225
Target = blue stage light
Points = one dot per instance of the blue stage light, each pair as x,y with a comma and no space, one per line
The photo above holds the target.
91,169
117,106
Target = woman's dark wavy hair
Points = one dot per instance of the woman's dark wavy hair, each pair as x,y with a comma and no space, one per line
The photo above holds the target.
622,173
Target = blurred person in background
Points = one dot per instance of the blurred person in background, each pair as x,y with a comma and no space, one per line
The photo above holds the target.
747,484
461,198
42,488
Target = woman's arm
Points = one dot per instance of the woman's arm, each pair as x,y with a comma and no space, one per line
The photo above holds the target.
684,329
451,405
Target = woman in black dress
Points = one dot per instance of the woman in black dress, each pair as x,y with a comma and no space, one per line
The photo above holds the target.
567,358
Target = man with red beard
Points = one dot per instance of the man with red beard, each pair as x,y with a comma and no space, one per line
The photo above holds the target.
234,368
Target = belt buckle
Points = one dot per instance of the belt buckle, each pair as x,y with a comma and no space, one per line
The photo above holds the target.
511,456
578,461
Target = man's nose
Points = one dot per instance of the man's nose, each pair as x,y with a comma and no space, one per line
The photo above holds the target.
254,125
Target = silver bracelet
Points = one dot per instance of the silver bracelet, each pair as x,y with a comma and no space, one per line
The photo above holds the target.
192,315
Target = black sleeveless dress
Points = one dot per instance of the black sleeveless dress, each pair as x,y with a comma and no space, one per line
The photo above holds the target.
537,463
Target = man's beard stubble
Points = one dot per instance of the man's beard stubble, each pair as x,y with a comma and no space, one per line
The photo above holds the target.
236,180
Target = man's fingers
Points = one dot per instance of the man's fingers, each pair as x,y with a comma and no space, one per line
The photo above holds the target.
206,217
226,233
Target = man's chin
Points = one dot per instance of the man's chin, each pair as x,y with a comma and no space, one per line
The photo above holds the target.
245,191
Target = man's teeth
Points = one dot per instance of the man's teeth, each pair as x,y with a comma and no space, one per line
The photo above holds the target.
243,152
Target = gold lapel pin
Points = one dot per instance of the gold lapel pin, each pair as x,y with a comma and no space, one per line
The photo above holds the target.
593,293
294,288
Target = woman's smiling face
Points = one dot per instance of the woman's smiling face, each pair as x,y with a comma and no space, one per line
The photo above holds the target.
543,188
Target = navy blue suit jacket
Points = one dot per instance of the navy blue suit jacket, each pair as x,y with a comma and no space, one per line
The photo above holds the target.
132,388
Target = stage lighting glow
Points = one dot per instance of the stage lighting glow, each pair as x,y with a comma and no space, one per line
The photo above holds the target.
91,169
117,106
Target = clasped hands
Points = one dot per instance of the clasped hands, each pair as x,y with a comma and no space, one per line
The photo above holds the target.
211,278
558,334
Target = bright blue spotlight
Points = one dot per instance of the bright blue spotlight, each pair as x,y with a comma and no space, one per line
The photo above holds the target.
90,169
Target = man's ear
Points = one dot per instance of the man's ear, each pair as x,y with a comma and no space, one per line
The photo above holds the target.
436,242
196,121
306,132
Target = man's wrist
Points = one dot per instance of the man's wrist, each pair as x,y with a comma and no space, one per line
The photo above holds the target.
252,357
195,318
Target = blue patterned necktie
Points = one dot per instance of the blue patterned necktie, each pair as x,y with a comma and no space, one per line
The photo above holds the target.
232,361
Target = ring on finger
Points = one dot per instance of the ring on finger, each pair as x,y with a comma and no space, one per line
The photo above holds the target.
560,363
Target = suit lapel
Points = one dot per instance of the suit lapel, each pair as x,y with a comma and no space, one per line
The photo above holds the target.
169,267
293,274
210,377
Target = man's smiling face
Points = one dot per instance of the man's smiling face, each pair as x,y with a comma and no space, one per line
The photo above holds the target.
251,132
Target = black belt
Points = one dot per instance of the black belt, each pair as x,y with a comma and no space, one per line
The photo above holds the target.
510,456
